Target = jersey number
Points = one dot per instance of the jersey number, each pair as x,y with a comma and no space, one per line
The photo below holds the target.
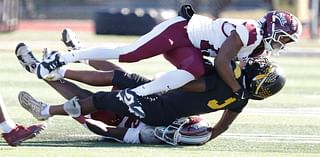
214,104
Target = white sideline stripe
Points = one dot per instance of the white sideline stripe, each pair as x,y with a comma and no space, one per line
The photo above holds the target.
272,138
259,138
314,111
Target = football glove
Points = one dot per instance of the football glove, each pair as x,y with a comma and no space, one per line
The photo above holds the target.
241,94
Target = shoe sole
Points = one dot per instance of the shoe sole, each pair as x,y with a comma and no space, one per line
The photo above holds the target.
22,95
18,47
27,66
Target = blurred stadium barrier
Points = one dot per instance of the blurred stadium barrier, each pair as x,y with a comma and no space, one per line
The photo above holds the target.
9,15
130,22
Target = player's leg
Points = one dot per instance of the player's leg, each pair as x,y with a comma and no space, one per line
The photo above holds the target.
42,111
101,122
189,62
104,65
190,66
160,39
99,101
14,133
74,107
6,124
166,36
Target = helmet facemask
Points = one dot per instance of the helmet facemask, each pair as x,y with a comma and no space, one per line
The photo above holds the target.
281,28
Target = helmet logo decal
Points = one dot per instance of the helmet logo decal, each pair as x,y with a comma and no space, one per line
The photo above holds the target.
282,19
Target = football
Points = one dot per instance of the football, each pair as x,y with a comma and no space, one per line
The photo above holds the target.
196,132
197,126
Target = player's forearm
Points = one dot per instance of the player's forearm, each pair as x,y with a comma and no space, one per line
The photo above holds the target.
229,49
226,73
223,124
217,131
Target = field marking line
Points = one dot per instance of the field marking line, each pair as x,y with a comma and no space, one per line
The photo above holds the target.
312,111
276,138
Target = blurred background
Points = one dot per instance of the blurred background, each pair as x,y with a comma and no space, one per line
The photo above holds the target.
114,16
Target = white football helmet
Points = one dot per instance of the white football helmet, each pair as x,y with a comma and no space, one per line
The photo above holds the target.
188,130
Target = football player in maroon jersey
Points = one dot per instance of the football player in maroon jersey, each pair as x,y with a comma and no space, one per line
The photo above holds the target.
184,40
262,78
127,129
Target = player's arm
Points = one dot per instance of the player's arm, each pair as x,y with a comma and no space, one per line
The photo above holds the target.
107,131
223,124
227,52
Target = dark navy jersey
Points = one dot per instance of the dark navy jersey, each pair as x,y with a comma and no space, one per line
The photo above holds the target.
165,108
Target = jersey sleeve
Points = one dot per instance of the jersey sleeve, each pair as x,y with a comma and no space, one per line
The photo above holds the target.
247,33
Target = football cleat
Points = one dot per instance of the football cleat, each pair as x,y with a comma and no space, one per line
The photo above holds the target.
131,99
33,106
21,133
27,60
70,40
49,64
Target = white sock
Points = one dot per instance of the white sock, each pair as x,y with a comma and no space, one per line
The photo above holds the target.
62,71
168,81
84,61
96,53
7,126
132,134
46,111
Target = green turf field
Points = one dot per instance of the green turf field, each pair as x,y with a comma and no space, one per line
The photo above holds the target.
287,124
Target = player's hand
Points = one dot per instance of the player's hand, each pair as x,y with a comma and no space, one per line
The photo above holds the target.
241,94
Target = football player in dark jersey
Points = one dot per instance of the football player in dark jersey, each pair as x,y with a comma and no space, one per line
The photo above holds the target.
260,77
126,129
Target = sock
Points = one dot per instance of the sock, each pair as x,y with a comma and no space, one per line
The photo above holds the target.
97,53
7,126
168,81
132,134
62,71
84,61
46,111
